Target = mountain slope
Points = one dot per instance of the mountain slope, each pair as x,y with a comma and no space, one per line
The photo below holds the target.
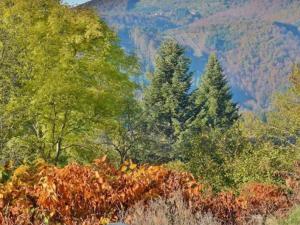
256,40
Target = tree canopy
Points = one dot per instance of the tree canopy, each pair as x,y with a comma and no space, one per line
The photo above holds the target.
62,72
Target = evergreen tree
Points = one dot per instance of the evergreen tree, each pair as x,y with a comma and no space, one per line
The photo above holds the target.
167,98
211,139
213,105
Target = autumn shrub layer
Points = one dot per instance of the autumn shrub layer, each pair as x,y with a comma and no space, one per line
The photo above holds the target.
97,193
171,211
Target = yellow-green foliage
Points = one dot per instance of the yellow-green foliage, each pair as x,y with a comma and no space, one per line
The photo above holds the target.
62,74
176,166
284,119
261,164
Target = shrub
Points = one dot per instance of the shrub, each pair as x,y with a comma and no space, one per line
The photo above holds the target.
95,194
176,166
75,192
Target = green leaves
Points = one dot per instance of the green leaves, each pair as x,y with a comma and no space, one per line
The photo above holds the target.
68,75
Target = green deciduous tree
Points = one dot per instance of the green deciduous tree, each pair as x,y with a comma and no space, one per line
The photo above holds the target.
284,119
124,133
62,74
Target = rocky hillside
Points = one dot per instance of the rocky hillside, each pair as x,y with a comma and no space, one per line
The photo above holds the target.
256,40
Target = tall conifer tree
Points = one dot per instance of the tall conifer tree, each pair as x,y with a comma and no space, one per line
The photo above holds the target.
213,105
166,99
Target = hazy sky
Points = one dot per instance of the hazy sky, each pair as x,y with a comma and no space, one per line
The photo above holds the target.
72,2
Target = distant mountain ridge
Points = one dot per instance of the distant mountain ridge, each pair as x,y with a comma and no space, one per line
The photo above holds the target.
257,41
109,5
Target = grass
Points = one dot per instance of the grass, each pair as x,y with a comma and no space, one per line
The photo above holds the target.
293,218
173,211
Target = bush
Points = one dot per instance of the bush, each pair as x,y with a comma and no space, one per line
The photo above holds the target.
95,194
229,159
75,192
261,164
210,153
176,166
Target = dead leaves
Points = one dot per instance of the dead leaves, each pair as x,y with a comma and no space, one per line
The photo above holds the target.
97,192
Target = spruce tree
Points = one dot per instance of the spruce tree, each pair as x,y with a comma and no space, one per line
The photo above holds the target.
166,99
213,105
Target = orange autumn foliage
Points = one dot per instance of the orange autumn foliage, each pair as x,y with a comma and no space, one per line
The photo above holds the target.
254,199
77,193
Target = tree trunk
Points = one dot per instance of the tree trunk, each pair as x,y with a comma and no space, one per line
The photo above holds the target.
58,151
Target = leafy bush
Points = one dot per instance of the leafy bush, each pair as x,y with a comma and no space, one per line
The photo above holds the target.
261,164
176,166
77,192
229,159
210,153
95,194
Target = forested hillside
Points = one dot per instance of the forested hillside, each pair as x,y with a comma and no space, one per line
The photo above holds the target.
256,40
80,146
